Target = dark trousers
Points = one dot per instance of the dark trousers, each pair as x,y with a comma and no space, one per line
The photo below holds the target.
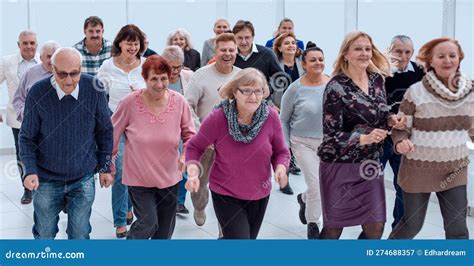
239,219
16,132
155,210
394,159
453,205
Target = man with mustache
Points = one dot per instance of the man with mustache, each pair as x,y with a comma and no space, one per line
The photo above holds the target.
202,96
94,48
12,69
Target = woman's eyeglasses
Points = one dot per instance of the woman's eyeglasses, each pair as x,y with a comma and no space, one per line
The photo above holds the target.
248,92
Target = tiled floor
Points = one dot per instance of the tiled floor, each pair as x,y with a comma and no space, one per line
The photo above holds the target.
281,220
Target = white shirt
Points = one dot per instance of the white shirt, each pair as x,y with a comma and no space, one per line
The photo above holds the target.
61,93
409,67
24,65
254,50
118,83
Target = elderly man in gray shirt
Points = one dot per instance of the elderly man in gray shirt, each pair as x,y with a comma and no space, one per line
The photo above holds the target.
34,74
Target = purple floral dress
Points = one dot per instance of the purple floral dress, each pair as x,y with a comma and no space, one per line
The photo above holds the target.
351,176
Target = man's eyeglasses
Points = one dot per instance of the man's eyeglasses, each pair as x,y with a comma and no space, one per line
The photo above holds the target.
177,68
63,75
248,92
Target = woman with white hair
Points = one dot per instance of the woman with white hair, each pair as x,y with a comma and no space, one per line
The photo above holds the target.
220,26
181,38
248,140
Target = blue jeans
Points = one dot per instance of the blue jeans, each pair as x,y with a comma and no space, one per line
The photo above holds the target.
181,189
121,203
49,199
390,156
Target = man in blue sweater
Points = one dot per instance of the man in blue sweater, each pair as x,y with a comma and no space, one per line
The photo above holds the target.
65,138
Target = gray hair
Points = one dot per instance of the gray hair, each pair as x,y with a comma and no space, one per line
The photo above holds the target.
403,38
68,50
52,45
26,33
173,53
221,19
185,34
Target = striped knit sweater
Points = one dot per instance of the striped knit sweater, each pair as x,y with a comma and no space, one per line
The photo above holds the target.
439,123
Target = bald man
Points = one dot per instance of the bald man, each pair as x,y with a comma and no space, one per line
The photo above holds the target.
66,138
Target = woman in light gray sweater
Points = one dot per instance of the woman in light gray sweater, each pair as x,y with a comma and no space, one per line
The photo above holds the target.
220,26
301,118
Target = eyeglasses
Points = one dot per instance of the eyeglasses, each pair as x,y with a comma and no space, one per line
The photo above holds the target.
249,92
63,75
176,68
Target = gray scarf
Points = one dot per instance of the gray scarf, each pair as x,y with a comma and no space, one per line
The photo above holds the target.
244,133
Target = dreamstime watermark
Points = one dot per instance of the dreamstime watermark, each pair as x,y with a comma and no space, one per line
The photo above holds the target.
280,81
103,82
46,254
370,169
454,174
13,169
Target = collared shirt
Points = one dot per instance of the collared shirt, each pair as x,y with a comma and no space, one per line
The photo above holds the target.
33,75
60,92
24,65
90,62
409,67
254,50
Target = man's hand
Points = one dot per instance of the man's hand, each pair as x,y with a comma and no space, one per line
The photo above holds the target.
106,179
31,182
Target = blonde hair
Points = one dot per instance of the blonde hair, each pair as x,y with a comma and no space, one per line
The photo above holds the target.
378,64
425,55
245,77
182,32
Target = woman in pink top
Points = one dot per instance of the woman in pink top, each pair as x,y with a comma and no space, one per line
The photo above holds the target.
153,120
248,141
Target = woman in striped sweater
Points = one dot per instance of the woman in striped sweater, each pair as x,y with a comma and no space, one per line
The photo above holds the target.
440,112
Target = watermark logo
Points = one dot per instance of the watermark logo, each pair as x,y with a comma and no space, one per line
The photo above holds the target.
370,169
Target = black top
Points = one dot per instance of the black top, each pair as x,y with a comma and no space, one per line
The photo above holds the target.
293,72
397,85
265,61
349,112
148,52
192,59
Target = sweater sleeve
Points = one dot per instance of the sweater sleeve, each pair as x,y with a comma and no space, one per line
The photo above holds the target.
286,111
103,134
193,95
120,121
29,135
280,152
187,125
408,108
205,137
206,53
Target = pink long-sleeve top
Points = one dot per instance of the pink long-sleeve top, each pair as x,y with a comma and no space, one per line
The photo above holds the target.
151,146
240,170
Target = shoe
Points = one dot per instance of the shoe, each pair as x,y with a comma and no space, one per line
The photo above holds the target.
313,231
294,169
27,197
287,190
181,209
302,209
121,234
199,217
129,218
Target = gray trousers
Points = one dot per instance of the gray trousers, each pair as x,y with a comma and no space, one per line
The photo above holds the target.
201,198
453,205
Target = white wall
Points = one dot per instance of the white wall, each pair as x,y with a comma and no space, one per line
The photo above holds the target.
322,21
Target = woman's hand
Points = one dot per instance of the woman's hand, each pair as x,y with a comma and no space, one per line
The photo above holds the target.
397,121
181,165
192,185
405,146
280,175
377,135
